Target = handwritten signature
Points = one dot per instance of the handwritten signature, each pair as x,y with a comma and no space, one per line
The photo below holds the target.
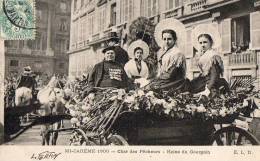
45,155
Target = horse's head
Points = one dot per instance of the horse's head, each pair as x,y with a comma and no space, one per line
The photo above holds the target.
56,95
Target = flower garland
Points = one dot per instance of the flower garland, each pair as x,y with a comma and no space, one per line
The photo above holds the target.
95,110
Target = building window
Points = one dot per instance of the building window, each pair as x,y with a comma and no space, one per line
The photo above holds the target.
91,24
63,7
241,81
14,63
63,25
113,15
84,28
170,4
126,10
61,45
40,42
61,65
101,19
149,8
240,34
11,43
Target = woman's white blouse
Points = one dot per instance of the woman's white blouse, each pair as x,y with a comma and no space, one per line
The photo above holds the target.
131,69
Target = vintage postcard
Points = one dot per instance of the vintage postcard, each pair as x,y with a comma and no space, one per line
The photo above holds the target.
130,79
17,19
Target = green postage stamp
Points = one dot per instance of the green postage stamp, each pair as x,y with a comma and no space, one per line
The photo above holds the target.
17,19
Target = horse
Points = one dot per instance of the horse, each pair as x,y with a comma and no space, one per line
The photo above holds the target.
23,96
52,103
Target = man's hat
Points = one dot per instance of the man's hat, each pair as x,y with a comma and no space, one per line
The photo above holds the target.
108,48
113,36
27,70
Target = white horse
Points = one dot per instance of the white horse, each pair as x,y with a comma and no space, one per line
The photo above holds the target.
52,103
23,96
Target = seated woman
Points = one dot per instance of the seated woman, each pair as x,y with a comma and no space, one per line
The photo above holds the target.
136,68
108,73
171,62
211,68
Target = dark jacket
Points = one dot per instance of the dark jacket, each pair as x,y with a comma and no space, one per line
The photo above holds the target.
26,81
97,73
212,80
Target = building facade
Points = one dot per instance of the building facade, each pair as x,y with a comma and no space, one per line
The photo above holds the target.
47,54
236,20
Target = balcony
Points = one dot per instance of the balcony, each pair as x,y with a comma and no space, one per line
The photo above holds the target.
245,59
38,52
195,6
176,12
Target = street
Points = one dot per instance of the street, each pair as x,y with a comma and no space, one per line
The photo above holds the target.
32,136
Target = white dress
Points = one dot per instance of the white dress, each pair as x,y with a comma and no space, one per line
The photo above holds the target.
132,71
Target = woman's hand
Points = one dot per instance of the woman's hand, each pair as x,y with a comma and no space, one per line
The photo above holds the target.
206,93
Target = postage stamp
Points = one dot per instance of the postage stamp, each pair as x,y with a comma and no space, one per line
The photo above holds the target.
17,19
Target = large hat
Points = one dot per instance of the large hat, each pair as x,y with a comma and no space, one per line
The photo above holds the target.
27,70
136,44
108,48
209,29
171,24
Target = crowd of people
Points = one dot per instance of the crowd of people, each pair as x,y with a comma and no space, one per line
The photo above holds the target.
26,79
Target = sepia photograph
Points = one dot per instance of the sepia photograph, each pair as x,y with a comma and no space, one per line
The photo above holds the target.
135,73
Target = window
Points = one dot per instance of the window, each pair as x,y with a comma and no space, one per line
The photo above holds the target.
91,23
14,63
149,8
241,81
170,4
240,34
40,42
126,10
63,25
113,15
101,20
61,65
61,45
63,7
84,28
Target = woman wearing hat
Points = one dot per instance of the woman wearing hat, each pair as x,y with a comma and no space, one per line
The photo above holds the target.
136,68
169,33
108,73
206,39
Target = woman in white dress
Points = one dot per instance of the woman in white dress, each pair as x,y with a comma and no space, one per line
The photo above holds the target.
136,68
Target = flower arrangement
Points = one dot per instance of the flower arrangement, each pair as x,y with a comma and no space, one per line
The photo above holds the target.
97,111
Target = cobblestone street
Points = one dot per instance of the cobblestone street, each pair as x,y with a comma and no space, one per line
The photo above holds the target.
32,136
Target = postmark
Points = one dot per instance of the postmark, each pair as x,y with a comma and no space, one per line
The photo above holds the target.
17,19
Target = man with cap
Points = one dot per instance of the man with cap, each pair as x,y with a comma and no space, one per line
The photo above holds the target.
121,55
26,79
108,73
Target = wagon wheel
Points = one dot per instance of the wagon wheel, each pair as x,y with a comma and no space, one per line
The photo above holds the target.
232,135
116,140
79,138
